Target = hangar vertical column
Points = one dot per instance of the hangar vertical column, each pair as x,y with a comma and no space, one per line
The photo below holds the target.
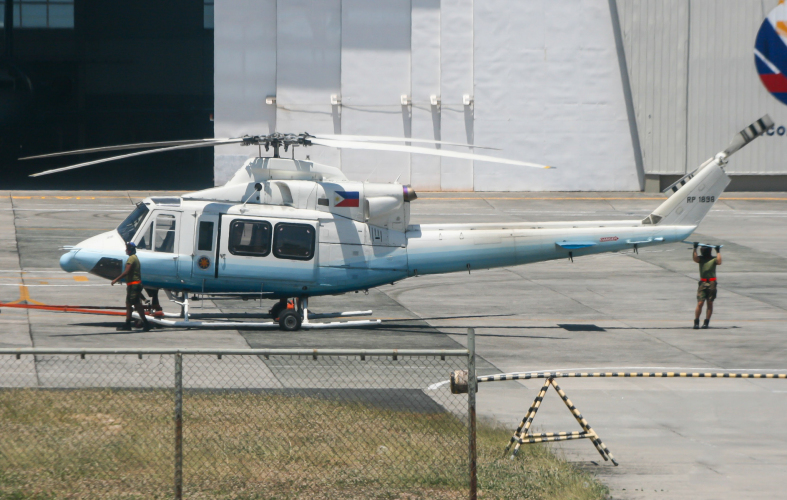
308,72
456,81
425,77
655,38
375,73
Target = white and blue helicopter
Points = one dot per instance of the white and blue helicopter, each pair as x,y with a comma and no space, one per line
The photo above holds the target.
288,230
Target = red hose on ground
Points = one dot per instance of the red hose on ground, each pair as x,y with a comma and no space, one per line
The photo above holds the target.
83,310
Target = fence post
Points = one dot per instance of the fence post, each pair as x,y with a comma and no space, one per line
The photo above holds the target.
178,426
471,389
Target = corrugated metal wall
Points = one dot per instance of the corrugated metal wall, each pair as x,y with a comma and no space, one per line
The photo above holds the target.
655,37
694,83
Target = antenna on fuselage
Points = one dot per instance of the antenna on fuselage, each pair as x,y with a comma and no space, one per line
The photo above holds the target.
257,189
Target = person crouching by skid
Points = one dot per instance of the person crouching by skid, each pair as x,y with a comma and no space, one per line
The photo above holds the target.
706,291
133,276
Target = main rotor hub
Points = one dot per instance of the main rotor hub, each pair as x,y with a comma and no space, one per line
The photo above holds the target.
277,140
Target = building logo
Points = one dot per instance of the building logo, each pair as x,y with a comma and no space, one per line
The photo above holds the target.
770,52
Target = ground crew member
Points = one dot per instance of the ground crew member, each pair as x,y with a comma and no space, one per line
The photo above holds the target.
133,276
706,291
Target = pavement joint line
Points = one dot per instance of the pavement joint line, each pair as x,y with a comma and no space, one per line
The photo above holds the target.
452,198
22,289
62,229
587,198
75,285
679,273
641,330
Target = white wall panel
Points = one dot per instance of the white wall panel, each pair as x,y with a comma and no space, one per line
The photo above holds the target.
725,92
425,75
245,72
655,37
309,71
456,80
375,73
550,93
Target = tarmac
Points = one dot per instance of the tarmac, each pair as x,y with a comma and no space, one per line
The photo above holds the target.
674,438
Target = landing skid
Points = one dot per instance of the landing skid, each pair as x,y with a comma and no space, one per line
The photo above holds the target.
188,320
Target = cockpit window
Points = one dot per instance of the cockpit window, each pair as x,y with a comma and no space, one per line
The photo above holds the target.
128,228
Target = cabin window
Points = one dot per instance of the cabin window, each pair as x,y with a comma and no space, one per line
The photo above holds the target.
293,241
205,237
252,238
146,241
165,233
128,228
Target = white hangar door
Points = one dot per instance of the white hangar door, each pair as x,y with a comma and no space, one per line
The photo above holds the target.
375,74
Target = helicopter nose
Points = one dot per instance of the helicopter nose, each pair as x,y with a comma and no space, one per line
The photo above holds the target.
68,262
78,260
85,255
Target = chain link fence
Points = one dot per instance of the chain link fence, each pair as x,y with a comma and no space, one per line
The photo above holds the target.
233,424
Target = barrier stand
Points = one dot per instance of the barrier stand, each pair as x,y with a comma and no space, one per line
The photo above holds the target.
529,416
521,435
459,385
590,434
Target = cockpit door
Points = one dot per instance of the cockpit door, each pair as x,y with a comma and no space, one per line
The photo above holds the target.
204,254
158,247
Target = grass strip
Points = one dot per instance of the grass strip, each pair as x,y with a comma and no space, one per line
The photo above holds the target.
119,444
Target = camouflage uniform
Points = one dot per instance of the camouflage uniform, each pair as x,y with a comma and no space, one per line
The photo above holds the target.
133,292
706,290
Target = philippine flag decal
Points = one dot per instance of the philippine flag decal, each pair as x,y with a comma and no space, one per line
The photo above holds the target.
346,199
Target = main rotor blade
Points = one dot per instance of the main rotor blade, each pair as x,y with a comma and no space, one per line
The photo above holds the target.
425,151
380,138
748,134
140,145
220,142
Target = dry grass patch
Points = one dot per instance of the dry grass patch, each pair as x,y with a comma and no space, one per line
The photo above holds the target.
244,445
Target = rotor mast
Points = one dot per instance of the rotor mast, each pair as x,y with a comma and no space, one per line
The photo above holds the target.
277,140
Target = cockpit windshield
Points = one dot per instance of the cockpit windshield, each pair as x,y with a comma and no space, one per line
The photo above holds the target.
128,228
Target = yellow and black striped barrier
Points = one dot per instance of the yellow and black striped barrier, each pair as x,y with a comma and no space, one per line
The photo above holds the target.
531,375
546,437
522,436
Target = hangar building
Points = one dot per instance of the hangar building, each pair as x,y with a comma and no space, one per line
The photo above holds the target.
618,94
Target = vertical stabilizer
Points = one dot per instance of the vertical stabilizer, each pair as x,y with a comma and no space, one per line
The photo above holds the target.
695,193
692,202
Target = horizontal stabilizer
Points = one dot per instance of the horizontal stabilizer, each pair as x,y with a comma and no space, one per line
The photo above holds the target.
692,243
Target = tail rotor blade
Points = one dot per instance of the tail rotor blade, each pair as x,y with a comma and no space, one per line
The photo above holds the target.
748,134
414,149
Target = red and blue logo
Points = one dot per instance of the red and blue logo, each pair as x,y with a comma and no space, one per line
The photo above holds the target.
770,52
346,199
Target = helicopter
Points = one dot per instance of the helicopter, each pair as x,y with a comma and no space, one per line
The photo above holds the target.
287,230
